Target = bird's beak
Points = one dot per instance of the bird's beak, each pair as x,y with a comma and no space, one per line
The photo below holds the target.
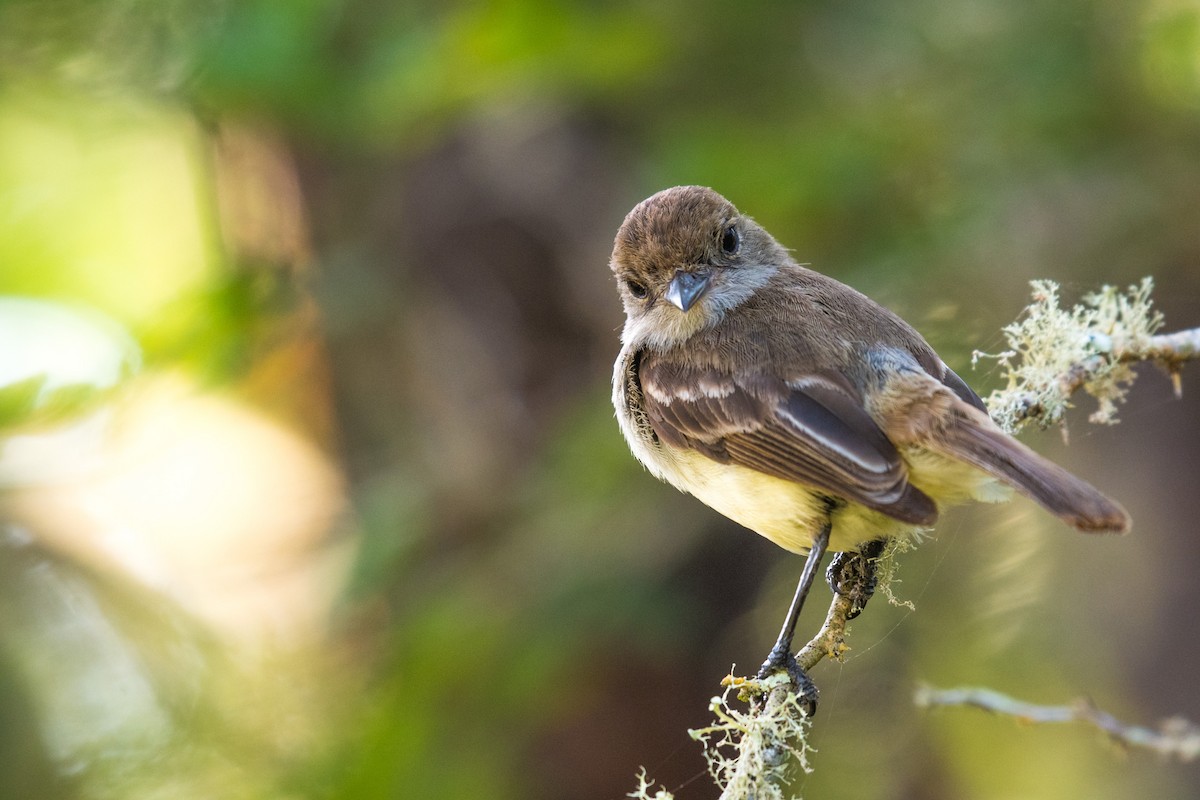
687,287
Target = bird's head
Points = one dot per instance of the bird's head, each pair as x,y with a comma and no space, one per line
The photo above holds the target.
684,257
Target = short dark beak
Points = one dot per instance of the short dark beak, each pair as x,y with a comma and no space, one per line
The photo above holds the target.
687,287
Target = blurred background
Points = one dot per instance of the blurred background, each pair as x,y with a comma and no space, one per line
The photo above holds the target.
309,482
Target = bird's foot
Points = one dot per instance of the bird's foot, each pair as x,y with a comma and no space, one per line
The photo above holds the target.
853,575
781,658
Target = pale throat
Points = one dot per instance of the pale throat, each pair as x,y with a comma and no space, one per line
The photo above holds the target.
664,326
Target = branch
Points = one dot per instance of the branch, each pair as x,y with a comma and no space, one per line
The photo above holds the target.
1174,738
1169,350
831,639
765,739
749,752
777,726
1054,352
772,732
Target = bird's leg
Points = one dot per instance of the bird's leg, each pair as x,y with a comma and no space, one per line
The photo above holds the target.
781,656
853,575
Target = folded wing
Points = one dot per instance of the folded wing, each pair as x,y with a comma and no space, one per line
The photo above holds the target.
811,429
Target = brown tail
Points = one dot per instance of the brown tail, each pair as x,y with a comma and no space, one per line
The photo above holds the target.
974,439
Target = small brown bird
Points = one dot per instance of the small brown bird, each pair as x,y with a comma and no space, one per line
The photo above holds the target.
795,405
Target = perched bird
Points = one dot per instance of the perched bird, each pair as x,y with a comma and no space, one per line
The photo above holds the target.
795,405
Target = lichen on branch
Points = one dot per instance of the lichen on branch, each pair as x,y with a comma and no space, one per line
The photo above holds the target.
1054,352
758,735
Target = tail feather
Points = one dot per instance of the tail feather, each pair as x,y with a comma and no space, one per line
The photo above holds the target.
974,439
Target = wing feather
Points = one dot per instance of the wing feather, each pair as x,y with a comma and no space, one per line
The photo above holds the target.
811,429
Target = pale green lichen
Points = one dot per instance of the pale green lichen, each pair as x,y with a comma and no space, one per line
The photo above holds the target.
750,752
644,787
887,567
1055,351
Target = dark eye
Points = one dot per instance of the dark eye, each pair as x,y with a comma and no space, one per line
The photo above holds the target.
636,289
731,240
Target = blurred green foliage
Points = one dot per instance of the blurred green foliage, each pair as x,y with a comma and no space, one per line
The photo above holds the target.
524,612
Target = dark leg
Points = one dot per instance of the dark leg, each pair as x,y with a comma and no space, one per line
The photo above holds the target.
853,575
781,656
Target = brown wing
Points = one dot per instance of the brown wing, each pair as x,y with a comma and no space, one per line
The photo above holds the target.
812,429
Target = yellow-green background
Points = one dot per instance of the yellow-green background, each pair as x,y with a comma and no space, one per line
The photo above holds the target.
356,521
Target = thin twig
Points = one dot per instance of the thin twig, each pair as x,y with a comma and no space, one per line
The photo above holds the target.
831,639
1174,738
1166,348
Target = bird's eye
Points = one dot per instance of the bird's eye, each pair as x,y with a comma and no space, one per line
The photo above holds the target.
636,289
731,240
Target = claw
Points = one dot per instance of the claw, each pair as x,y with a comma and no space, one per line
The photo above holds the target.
853,575
782,659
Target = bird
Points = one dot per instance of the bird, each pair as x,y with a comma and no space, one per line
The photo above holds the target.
798,407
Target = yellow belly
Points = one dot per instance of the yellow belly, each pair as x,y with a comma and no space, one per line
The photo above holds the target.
787,513
790,514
